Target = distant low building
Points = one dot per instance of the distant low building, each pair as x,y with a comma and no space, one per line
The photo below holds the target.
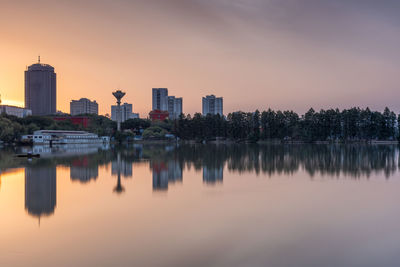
15,111
83,106
158,115
126,112
212,105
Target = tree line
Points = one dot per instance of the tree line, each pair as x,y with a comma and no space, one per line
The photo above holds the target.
353,124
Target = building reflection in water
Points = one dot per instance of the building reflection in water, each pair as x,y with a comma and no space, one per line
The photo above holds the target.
122,167
165,172
116,168
40,190
213,175
82,171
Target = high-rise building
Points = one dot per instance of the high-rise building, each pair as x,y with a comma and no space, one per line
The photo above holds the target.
174,107
83,106
212,105
126,112
160,99
40,89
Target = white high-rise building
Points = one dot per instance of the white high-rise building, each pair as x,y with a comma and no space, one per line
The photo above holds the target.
212,105
83,106
160,99
126,112
174,107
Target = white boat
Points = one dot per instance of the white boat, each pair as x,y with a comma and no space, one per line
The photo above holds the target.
47,137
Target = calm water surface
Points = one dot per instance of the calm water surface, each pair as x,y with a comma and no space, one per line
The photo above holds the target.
237,205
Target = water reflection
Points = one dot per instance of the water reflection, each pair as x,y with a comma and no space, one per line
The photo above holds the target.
83,171
326,160
168,164
165,172
213,175
40,190
117,170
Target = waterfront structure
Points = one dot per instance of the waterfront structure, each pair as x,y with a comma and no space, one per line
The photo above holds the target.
40,89
158,115
212,105
49,137
125,112
83,106
174,107
160,99
15,111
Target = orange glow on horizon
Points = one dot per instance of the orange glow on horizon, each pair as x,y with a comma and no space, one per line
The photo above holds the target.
12,103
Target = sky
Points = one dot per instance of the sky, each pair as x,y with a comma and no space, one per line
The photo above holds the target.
257,54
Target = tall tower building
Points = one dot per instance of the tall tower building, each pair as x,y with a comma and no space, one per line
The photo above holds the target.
125,110
212,105
40,89
160,99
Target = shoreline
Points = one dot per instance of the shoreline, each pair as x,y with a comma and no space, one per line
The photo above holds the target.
231,142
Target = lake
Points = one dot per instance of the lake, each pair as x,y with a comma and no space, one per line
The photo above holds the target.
201,205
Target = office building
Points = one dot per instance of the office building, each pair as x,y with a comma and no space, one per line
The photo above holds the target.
160,99
40,89
174,107
83,106
212,105
126,112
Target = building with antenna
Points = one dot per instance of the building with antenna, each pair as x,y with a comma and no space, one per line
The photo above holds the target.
41,89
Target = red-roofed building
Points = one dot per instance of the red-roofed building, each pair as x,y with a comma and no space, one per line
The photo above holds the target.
84,121
158,115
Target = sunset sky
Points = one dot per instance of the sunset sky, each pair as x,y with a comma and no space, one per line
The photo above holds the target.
283,54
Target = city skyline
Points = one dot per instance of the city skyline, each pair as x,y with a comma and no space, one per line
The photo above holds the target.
278,54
